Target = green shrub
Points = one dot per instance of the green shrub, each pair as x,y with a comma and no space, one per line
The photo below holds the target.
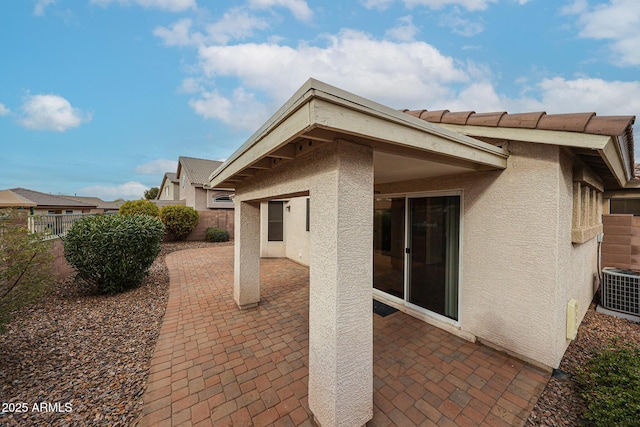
26,264
179,221
217,235
113,252
139,207
611,386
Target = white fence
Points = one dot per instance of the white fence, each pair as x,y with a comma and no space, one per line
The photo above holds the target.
53,225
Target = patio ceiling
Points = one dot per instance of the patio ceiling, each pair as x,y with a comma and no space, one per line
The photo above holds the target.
405,147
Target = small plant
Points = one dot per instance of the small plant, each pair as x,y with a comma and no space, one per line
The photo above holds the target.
113,252
179,221
217,235
26,264
139,207
611,386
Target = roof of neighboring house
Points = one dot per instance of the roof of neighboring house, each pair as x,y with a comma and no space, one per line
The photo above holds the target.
8,199
100,204
171,176
49,200
197,170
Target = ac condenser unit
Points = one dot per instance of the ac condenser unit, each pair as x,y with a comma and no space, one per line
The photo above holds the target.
621,290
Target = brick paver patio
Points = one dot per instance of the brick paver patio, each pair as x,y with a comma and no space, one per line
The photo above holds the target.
215,365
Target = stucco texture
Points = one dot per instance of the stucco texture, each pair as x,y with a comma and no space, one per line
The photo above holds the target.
338,178
518,266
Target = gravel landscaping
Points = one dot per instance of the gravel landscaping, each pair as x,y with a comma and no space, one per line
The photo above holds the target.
86,356
559,404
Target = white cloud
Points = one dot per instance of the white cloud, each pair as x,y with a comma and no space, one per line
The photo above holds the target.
41,5
602,96
393,73
50,112
190,85
241,110
159,166
460,25
4,110
168,5
299,8
405,31
617,21
236,24
179,34
128,191
434,4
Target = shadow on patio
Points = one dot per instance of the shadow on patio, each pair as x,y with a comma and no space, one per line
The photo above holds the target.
217,365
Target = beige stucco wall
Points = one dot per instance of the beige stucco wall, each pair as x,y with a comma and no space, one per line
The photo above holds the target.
295,244
338,177
174,191
518,266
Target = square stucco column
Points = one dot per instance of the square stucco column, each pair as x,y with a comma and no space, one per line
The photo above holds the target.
341,274
246,262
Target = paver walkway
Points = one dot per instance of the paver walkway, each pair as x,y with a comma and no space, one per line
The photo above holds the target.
215,365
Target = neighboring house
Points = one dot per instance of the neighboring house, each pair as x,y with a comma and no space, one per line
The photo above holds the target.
42,203
169,189
627,200
484,225
101,205
191,186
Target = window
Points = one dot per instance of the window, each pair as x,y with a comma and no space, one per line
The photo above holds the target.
166,191
625,206
184,180
222,198
587,205
275,229
308,213
68,212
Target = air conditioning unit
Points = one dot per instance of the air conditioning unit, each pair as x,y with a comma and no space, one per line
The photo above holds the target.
621,290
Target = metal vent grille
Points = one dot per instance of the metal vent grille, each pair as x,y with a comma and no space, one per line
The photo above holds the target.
621,290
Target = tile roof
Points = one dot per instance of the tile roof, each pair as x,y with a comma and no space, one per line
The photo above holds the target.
620,127
46,200
197,170
574,122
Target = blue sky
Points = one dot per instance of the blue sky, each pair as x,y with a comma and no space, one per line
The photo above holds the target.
100,97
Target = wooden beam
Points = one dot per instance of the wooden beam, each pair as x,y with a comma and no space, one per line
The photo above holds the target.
287,152
261,164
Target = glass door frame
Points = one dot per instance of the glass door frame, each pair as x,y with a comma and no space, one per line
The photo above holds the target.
407,213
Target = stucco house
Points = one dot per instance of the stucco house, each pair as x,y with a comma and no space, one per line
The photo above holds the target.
190,186
485,225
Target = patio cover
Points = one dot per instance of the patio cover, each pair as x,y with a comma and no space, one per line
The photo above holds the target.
319,113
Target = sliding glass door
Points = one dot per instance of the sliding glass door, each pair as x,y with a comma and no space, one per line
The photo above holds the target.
388,245
426,248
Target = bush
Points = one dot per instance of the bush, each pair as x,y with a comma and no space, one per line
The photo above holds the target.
179,221
26,264
217,235
611,386
139,207
113,252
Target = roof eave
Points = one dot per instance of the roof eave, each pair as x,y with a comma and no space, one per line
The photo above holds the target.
318,106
